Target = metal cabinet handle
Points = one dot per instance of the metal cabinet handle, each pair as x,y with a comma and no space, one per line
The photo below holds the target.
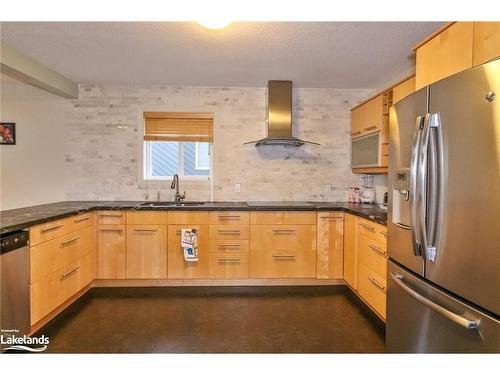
459,319
384,234
82,219
47,229
146,230
284,231
229,217
229,260
376,283
228,231
378,250
355,133
110,215
366,226
70,240
332,218
111,230
370,128
284,256
401,225
69,273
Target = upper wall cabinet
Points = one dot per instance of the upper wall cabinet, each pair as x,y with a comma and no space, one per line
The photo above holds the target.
403,89
456,47
486,42
444,54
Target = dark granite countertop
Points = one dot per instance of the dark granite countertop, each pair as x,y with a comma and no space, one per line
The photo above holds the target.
22,218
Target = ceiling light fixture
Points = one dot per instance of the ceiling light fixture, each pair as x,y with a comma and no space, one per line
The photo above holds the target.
215,24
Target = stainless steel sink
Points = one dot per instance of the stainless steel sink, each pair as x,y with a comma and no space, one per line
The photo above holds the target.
172,204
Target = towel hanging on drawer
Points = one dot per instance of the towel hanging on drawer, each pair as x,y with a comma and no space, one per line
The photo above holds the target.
189,243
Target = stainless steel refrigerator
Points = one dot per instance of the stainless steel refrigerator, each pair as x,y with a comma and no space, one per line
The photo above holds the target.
443,292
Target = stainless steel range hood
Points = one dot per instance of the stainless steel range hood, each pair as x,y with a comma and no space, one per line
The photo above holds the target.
279,118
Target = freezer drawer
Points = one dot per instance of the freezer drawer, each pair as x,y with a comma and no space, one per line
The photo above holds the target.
423,319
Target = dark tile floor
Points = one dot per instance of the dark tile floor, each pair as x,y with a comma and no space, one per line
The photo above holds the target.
326,319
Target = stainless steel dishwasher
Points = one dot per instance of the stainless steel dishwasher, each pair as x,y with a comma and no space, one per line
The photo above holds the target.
15,284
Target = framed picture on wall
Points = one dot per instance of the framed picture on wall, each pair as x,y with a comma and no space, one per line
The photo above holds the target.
7,133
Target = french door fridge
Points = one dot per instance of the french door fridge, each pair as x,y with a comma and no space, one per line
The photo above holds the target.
444,216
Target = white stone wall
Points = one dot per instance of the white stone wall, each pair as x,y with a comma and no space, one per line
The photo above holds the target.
104,162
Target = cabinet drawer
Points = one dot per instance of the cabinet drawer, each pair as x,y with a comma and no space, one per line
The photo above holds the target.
51,255
80,221
330,246
282,264
267,217
47,231
237,232
229,217
372,255
188,217
372,230
299,217
111,217
54,289
146,217
283,237
111,252
231,266
178,268
229,246
372,288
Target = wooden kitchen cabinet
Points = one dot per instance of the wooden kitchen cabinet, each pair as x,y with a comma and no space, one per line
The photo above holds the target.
447,52
111,217
146,255
403,89
54,289
178,268
350,251
486,42
111,252
283,237
357,121
229,217
281,264
330,246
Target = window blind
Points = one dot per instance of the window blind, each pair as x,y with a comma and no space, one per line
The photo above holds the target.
178,126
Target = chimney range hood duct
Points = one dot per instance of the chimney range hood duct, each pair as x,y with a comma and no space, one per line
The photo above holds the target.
279,118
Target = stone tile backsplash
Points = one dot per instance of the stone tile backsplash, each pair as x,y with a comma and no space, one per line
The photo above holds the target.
104,144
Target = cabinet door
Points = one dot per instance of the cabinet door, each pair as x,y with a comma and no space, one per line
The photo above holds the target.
146,252
402,90
111,252
447,53
350,267
178,268
373,115
330,256
356,121
486,42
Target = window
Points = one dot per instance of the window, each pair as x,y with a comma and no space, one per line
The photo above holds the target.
177,143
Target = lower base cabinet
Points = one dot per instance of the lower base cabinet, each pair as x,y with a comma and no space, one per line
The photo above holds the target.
372,288
146,252
53,290
111,252
178,268
229,266
330,245
271,264
350,252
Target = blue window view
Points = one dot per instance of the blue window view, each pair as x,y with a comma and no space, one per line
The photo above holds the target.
166,158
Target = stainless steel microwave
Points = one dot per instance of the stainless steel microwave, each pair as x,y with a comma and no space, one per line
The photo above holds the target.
365,151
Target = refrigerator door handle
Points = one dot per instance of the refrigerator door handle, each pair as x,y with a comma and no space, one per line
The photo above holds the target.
459,319
414,186
427,188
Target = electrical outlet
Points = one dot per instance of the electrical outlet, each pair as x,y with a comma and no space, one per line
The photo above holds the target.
328,188
237,188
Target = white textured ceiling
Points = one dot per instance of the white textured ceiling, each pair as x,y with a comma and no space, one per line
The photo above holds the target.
312,54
